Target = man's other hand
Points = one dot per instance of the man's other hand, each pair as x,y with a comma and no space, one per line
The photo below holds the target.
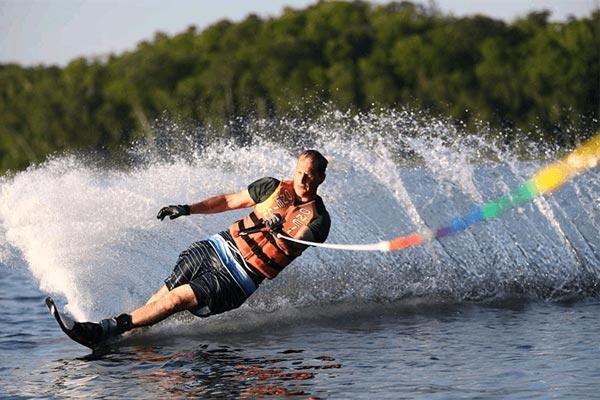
173,211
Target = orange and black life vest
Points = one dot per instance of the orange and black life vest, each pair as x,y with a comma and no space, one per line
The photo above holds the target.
260,249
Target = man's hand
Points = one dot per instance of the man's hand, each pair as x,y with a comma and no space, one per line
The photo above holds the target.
274,223
173,211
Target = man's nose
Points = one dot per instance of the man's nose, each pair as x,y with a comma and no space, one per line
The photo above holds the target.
304,178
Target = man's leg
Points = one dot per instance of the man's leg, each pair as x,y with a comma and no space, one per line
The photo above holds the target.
165,304
178,299
164,290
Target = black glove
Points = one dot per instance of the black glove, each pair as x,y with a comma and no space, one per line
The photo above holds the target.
274,223
173,211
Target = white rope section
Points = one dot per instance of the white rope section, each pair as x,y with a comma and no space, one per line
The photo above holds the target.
381,246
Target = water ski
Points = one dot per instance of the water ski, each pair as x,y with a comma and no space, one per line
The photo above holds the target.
84,333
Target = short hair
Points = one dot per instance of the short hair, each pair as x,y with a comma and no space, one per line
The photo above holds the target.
317,158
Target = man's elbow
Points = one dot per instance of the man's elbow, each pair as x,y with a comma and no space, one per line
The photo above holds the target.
239,200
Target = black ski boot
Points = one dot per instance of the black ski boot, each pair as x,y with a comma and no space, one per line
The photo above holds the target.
91,334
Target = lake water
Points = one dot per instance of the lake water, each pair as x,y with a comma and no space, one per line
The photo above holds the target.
515,349
507,309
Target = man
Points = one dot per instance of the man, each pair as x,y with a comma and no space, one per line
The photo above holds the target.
220,273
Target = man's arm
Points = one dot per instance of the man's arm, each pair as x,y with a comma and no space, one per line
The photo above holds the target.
316,231
290,247
223,202
215,204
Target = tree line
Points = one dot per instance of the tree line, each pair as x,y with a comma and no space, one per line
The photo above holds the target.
529,76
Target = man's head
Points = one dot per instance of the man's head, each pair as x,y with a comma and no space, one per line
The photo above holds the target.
309,174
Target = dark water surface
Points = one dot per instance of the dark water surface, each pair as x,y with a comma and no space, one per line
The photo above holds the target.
515,349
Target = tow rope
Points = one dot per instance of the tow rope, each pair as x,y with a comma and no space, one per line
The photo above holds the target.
544,181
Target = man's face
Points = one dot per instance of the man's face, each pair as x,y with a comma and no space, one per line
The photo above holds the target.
306,179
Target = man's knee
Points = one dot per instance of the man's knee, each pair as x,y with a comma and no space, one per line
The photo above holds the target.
182,298
162,292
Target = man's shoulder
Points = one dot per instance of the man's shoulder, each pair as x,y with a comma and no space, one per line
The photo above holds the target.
262,188
322,218
321,223
320,206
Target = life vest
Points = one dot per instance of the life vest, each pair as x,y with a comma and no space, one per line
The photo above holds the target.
260,249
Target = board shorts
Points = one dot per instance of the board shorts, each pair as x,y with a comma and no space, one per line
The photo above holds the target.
216,273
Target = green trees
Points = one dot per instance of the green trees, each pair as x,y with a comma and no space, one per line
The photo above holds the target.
530,75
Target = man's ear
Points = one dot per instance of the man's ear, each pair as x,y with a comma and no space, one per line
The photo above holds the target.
322,178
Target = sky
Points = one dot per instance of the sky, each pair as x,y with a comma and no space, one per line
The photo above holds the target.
53,32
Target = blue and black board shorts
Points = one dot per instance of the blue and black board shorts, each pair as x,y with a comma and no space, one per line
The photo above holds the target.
215,289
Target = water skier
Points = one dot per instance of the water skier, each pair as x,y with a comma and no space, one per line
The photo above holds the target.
220,273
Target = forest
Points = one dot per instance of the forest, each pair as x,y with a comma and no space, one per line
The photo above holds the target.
528,77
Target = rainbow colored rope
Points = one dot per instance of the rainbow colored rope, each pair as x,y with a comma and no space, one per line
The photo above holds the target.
544,181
